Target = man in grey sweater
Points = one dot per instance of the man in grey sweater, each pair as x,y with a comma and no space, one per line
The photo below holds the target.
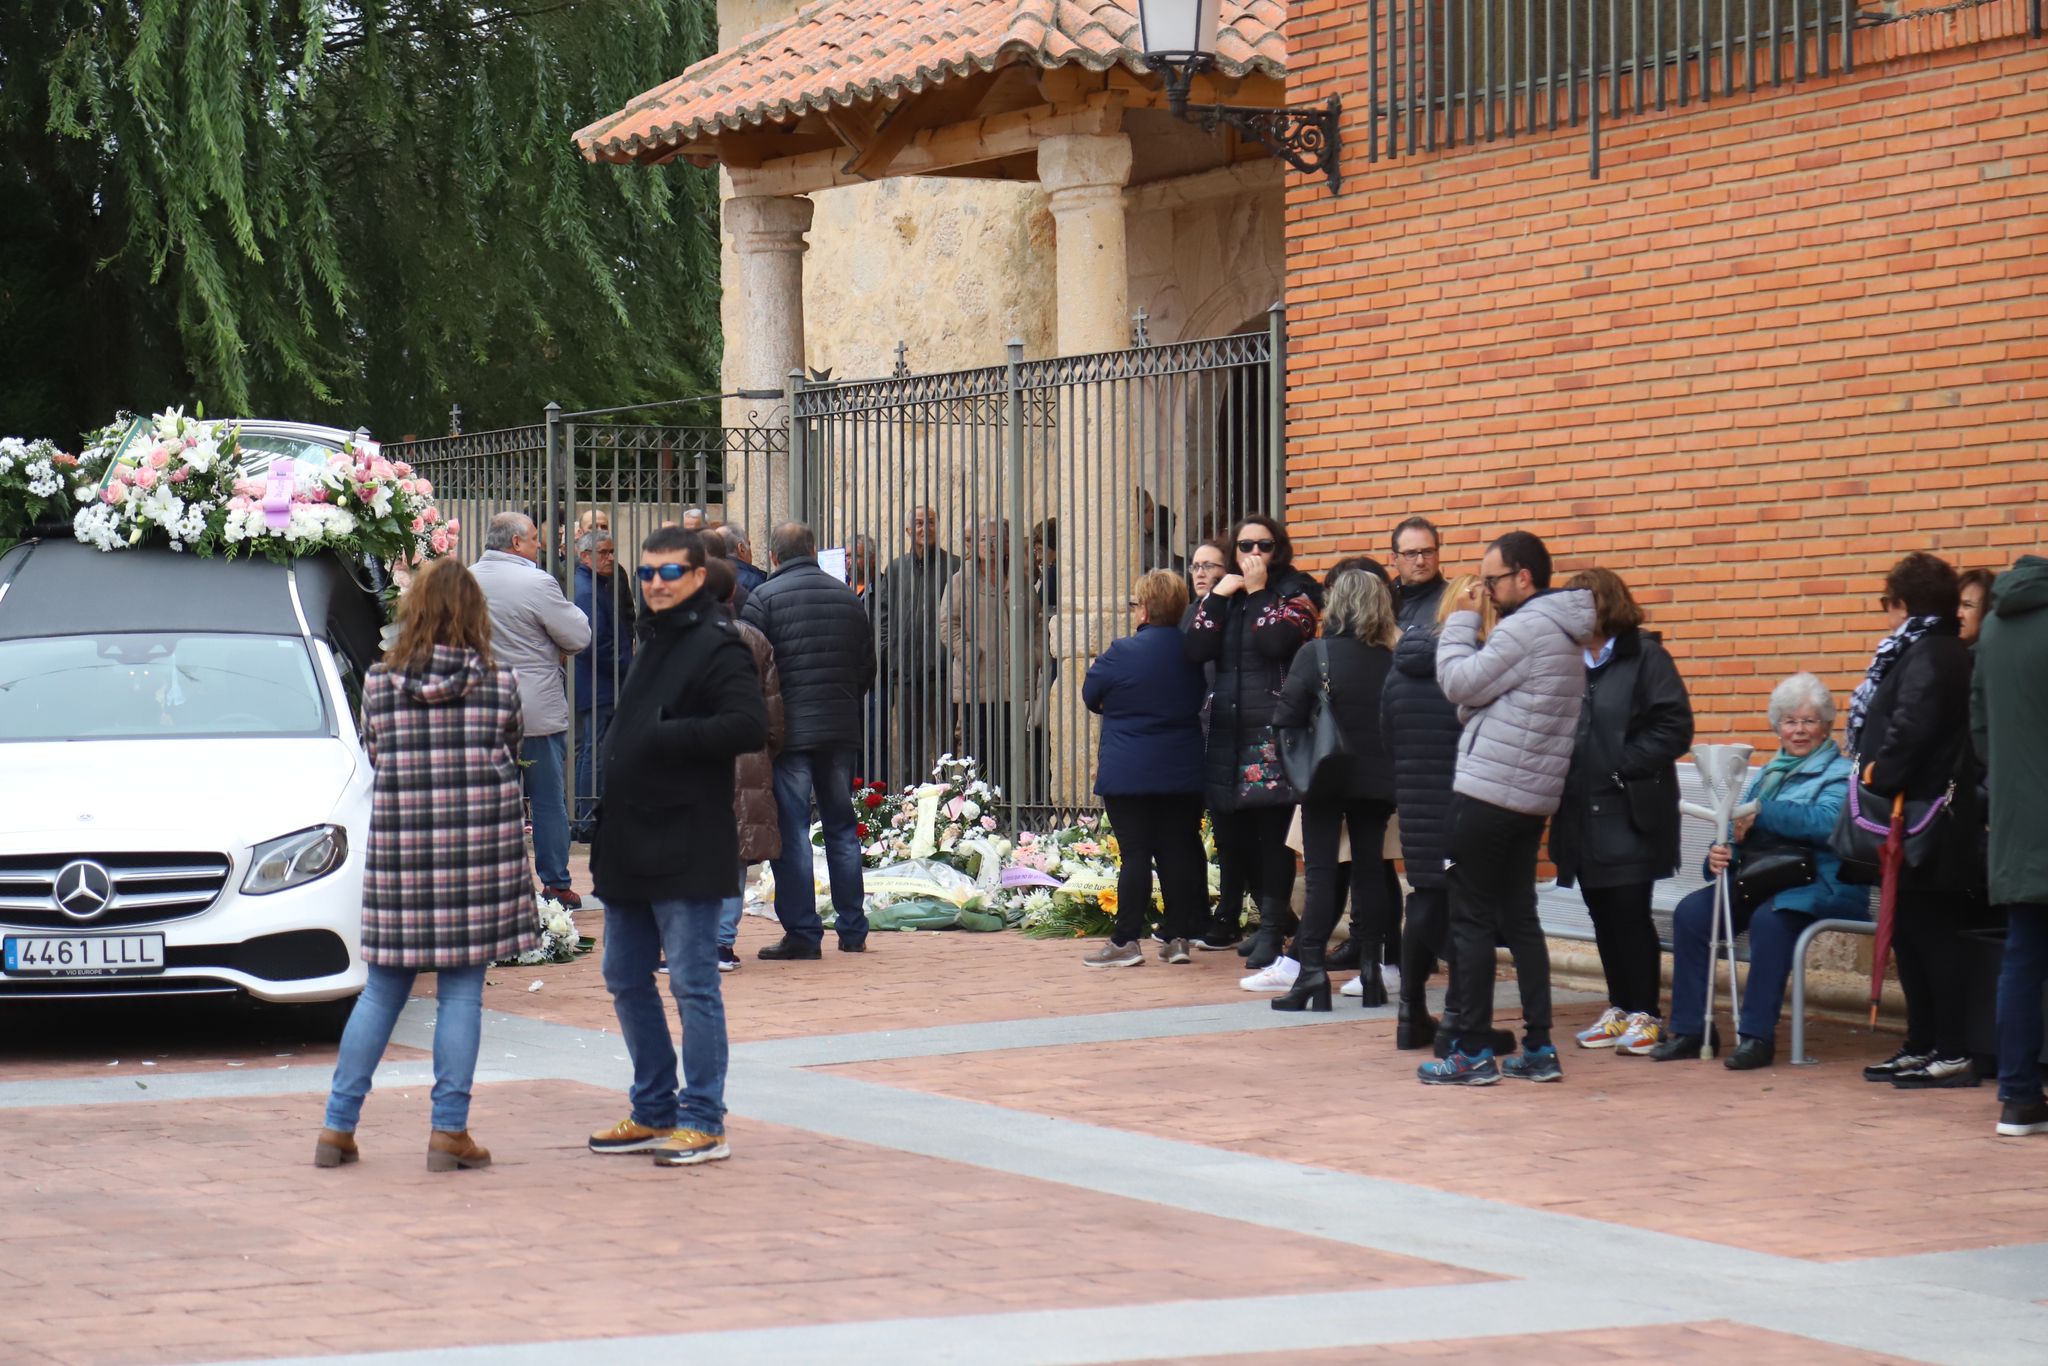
534,628
1518,696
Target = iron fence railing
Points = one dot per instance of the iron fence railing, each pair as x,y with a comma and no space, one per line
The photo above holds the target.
1441,74
995,519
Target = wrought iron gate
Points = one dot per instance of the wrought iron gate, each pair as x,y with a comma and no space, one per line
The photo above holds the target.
995,521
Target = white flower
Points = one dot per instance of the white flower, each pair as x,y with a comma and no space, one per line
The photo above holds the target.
562,926
970,810
169,424
380,502
202,456
163,507
84,493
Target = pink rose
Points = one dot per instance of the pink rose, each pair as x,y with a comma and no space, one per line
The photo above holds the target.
145,479
419,526
179,475
240,503
401,467
988,822
114,494
318,495
424,488
432,515
158,458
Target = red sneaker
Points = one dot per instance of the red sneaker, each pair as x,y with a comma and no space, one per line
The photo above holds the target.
565,895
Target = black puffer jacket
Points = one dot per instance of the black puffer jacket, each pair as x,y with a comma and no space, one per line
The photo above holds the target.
823,650
1358,675
1251,638
1421,730
1915,740
1618,821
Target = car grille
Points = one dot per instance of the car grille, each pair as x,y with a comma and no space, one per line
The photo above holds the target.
149,889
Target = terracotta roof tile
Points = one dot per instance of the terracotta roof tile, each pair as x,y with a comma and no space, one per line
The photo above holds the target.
843,52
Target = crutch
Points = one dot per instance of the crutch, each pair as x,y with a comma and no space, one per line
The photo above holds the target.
1724,772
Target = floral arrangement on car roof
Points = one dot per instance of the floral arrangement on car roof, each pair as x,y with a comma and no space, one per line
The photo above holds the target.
187,482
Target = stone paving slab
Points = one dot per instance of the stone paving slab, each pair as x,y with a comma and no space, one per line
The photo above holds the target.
188,1231
1805,1162
1674,1344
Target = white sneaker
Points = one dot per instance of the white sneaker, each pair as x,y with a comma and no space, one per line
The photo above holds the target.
1391,977
1279,977
1354,987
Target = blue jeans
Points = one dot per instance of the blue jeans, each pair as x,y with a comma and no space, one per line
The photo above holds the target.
636,934
1773,931
547,806
2020,979
827,773
590,728
458,1028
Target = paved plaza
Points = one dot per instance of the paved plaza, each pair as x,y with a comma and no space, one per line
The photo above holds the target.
967,1148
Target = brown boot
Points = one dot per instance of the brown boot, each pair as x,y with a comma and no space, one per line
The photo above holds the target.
446,1151
333,1148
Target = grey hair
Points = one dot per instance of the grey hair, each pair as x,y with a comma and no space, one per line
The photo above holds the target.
1802,689
696,512
506,528
792,540
1359,606
735,535
589,541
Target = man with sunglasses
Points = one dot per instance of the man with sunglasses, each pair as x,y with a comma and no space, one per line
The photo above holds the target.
1519,697
666,851
1419,572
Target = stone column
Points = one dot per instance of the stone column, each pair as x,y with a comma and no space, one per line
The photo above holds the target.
765,340
1084,177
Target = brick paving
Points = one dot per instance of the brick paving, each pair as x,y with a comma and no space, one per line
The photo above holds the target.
191,1230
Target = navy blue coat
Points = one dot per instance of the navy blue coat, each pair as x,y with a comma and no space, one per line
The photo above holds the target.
1150,699
601,666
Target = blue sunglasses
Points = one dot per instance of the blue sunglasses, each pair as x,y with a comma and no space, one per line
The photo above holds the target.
669,572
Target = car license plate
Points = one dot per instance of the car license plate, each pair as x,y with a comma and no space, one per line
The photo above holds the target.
83,955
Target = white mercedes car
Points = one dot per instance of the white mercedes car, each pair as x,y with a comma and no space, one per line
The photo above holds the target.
184,799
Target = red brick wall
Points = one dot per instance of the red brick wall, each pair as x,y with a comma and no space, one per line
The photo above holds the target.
1782,341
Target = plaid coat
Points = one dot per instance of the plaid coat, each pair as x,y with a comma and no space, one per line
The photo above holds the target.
448,884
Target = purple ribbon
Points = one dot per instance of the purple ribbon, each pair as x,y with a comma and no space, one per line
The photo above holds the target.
277,495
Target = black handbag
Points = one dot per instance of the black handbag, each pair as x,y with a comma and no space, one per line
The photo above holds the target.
1764,875
1865,822
1314,756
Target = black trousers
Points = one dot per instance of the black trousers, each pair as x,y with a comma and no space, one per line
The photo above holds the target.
1934,971
1389,948
1492,879
1423,941
1630,955
1258,839
1163,832
1322,825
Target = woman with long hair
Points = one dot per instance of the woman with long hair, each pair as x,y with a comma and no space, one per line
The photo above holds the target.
449,888
1350,664
1206,567
1250,626
1616,831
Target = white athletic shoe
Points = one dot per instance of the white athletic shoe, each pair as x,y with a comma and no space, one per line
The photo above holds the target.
1354,987
1391,977
1279,977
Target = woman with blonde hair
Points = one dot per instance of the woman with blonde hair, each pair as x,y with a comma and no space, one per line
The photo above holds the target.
1149,774
1347,668
449,888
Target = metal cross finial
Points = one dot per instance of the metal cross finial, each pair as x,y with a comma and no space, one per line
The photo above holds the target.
902,359
455,419
1139,336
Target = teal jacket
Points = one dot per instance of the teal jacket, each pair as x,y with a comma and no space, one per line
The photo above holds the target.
1804,810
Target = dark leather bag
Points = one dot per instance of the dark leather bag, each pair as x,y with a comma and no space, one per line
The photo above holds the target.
1865,821
1314,756
1762,876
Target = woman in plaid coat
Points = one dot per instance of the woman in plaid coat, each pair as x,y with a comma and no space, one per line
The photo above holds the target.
449,889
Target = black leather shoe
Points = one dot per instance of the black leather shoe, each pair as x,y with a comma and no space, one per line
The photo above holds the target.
1311,992
1266,946
791,949
1372,994
1750,1054
1677,1046
859,945
1345,955
1416,1027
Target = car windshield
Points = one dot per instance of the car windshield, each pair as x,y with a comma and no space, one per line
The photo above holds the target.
259,448
158,685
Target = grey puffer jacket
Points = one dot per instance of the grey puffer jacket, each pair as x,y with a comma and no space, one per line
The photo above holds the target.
1519,698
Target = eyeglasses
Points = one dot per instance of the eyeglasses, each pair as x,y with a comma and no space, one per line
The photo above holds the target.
1416,556
1799,722
1263,546
1212,566
669,572
1491,579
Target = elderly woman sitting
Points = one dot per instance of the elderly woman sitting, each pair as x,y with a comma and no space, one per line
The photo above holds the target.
1799,794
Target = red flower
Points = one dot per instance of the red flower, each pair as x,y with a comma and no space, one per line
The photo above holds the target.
873,800
1254,774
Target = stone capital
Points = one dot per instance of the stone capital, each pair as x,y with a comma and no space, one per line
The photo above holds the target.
761,223
1083,165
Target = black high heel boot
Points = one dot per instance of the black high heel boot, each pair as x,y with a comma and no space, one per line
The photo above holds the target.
1266,944
1374,991
1415,1028
1311,989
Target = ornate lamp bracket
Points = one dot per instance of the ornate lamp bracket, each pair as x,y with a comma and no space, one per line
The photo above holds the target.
1306,137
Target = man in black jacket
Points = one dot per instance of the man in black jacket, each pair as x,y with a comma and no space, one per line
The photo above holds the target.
666,850
827,662
1418,566
913,661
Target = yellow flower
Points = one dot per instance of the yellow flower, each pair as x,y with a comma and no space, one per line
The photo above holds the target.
1115,850
1106,899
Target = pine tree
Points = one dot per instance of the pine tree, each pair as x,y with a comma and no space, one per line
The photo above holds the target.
346,211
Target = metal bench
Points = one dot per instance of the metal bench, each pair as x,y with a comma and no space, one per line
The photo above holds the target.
1818,927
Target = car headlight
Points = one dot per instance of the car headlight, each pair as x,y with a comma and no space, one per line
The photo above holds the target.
290,860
